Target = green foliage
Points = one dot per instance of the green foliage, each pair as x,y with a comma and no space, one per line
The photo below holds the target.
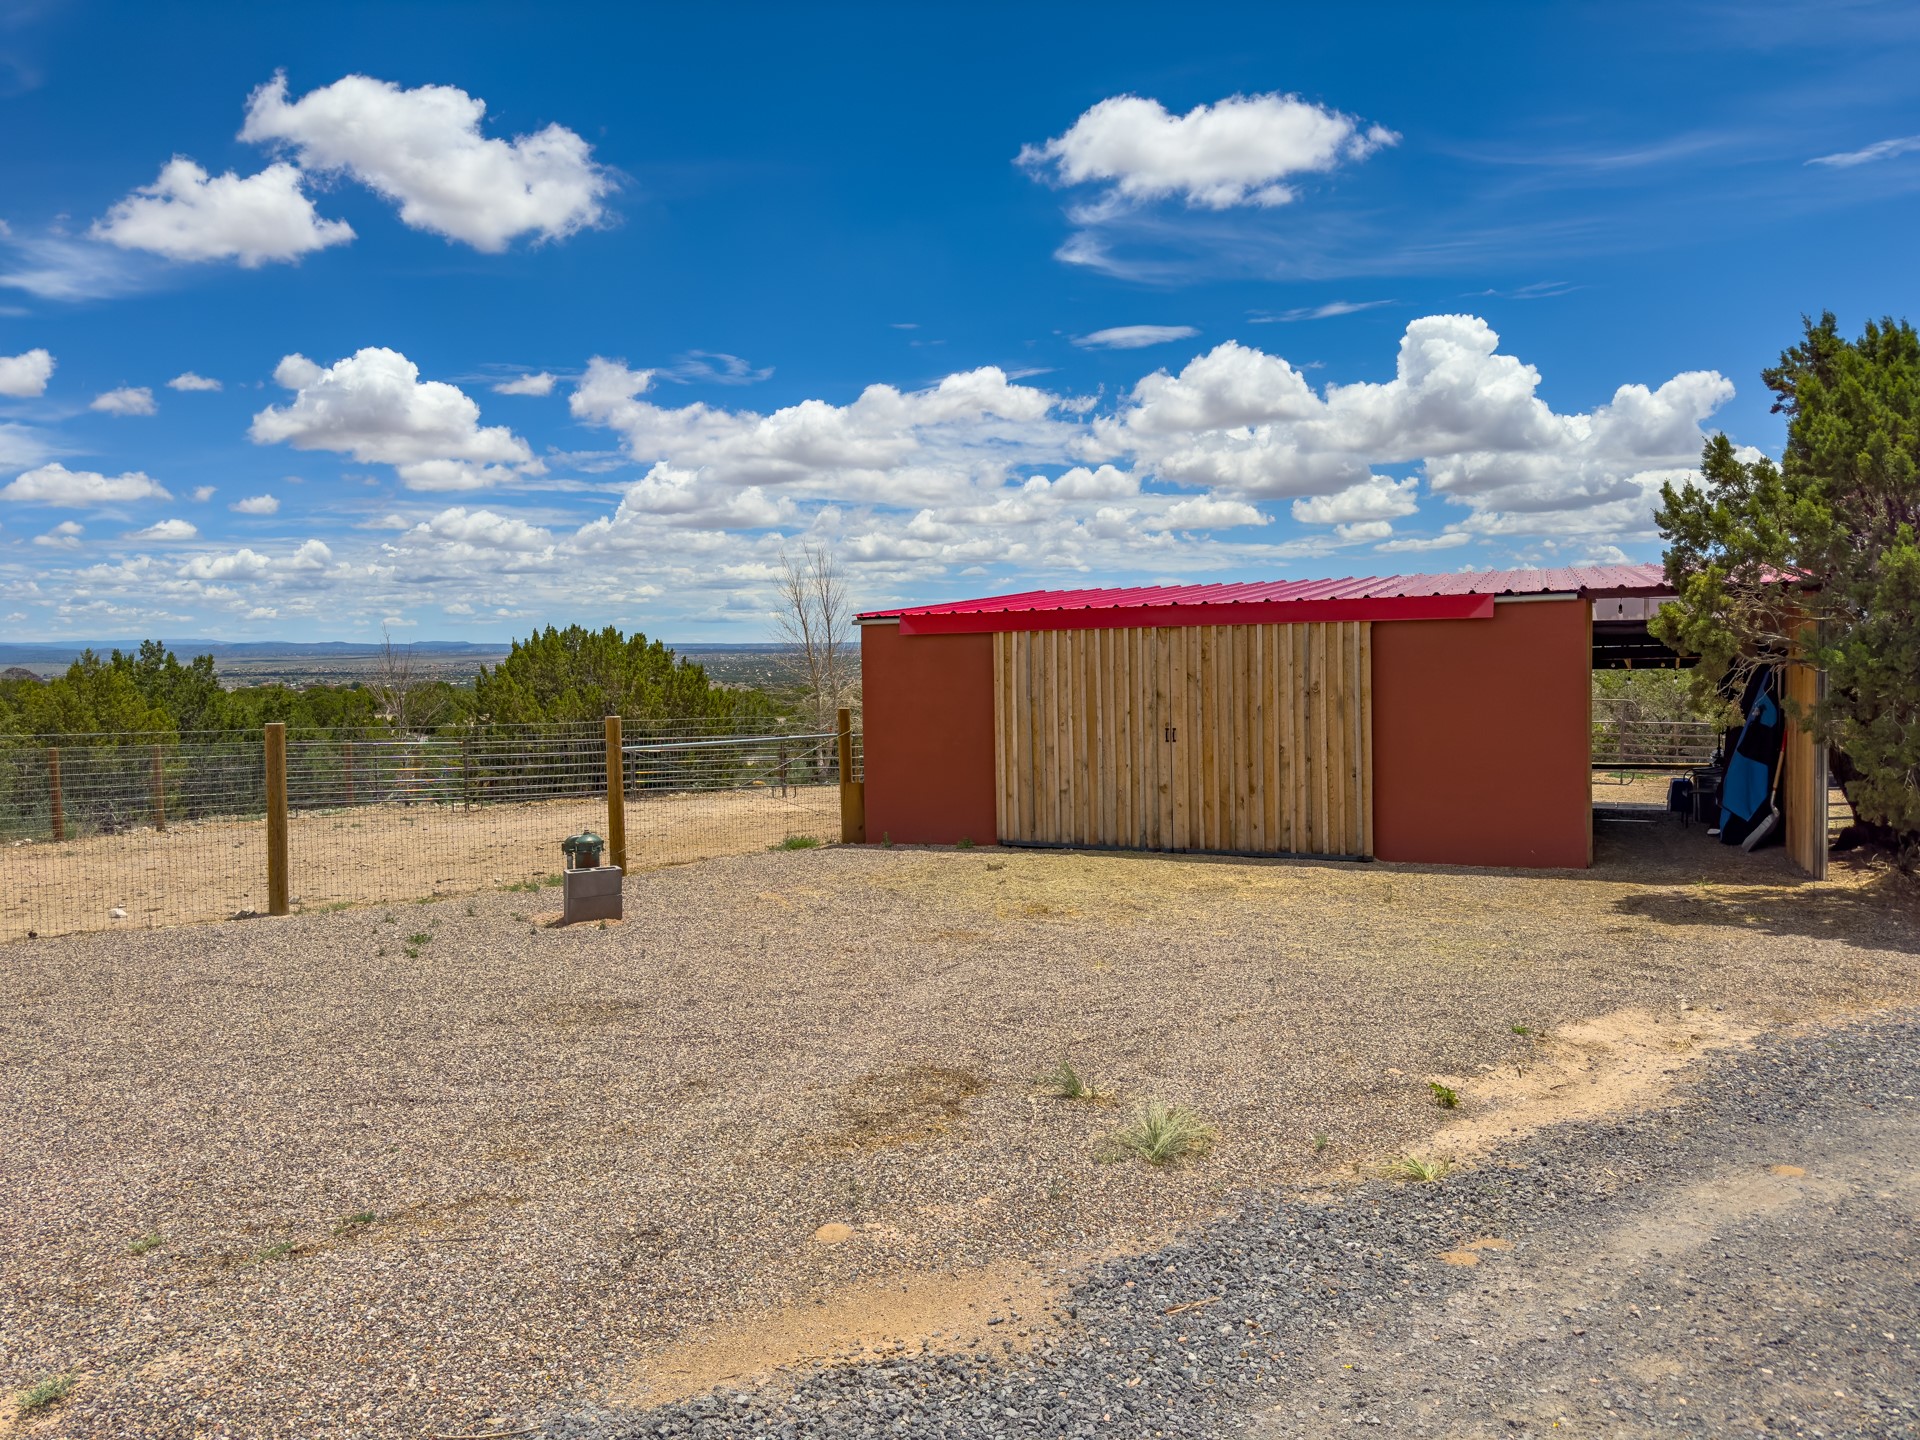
1413,1167
1638,695
1445,1096
150,692
94,695
151,1241
556,675
796,842
1161,1134
1066,1083
44,1394
1821,549
581,674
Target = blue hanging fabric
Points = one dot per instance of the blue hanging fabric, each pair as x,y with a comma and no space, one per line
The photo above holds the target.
1744,797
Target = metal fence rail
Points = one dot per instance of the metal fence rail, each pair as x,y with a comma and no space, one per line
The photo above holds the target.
1627,742
105,830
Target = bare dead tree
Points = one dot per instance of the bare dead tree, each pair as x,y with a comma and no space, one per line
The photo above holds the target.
407,701
815,616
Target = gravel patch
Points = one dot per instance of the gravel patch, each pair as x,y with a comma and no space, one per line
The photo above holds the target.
499,1178
1740,1259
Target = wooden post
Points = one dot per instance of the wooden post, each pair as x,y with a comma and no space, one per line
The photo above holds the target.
616,797
53,793
349,772
277,892
159,792
853,797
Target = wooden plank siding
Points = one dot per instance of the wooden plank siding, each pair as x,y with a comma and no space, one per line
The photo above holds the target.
1246,739
1803,782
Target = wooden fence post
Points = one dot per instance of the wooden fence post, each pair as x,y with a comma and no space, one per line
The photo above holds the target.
53,793
616,796
159,785
277,819
853,796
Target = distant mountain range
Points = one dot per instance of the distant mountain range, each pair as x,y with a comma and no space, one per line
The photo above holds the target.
63,652
60,651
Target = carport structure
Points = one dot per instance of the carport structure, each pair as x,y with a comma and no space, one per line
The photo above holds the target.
1438,718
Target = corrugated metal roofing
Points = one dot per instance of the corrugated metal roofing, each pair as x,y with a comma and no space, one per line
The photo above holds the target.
1588,580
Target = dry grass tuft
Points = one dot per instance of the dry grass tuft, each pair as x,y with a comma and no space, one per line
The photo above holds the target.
1063,1082
1161,1134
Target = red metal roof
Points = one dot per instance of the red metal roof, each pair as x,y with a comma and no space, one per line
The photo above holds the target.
1460,596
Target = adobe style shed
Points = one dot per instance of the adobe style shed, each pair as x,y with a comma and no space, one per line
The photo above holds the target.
1438,718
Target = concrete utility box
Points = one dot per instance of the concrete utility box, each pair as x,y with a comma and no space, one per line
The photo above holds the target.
590,894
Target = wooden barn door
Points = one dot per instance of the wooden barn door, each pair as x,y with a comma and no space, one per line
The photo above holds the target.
1254,739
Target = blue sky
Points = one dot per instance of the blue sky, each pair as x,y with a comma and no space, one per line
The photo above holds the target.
984,298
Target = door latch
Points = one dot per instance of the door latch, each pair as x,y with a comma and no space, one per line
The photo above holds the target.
1173,733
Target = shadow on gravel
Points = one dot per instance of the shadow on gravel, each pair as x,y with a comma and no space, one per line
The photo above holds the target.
1883,914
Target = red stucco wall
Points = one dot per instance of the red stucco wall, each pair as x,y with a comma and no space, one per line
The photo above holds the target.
1482,737
927,733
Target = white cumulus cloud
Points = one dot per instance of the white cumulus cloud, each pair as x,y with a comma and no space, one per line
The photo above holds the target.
1364,530
981,476
485,529
54,484
242,563
540,384
1230,386
256,505
423,150
187,380
64,536
1238,151
127,400
24,376
1201,513
374,406
189,215
1248,424
885,445
667,498
1378,497
167,530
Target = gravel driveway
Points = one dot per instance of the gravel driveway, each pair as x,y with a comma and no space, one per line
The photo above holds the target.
1742,1260
437,1171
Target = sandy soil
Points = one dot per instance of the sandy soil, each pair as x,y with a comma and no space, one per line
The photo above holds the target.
1631,787
517,1169
381,854
373,854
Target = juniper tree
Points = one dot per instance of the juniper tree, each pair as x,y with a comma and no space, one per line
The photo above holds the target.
1819,551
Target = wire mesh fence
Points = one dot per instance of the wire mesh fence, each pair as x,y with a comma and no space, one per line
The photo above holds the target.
106,830
150,830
